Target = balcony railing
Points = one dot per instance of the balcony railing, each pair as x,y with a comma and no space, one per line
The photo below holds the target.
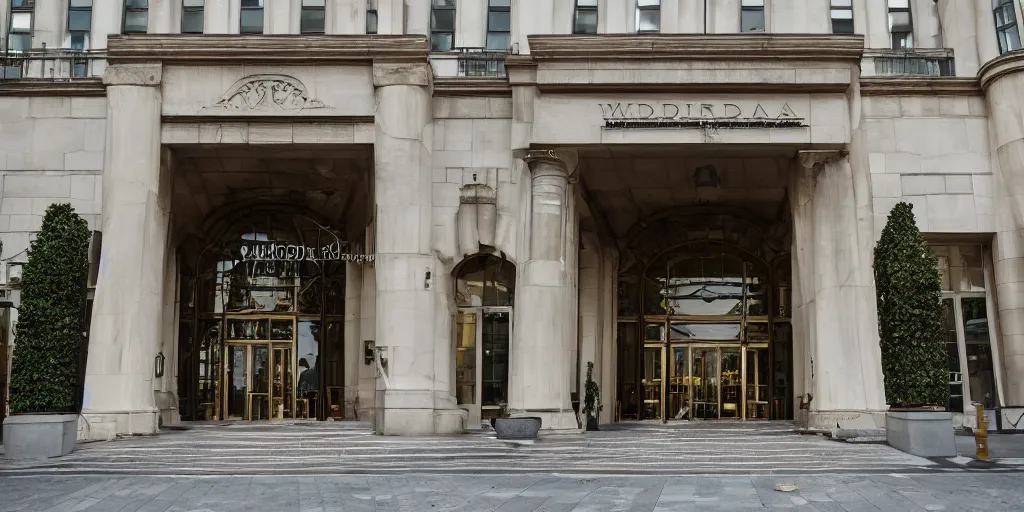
923,62
469,62
59,65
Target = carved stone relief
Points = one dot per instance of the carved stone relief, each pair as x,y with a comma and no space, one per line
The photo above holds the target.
267,93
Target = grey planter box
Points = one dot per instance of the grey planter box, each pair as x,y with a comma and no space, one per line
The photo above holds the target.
921,433
38,436
525,427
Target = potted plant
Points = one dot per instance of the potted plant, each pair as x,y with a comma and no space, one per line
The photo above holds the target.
519,427
49,335
914,360
591,400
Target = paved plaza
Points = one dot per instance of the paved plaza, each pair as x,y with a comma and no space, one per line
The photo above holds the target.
342,466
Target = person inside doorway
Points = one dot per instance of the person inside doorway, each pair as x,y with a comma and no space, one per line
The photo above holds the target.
308,381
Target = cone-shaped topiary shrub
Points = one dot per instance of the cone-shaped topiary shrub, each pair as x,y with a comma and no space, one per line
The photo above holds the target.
914,360
51,319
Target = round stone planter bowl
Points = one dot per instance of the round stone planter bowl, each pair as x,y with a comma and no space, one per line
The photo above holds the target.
522,427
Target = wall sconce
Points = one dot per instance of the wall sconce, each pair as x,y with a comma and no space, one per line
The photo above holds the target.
159,365
368,351
705,176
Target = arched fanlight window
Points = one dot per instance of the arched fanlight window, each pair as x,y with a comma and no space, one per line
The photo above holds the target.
485,280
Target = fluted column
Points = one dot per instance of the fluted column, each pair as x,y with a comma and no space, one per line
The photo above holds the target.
127,321
544,337
834,315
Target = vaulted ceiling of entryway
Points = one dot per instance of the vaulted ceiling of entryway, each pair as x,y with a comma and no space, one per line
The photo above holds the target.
334,183
625,185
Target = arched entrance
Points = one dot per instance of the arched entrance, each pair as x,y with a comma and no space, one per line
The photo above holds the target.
484,297
261,332
703,330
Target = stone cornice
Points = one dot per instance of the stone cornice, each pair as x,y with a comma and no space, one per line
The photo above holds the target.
920,86
471,87
1012,62
46,87
697,46
233,48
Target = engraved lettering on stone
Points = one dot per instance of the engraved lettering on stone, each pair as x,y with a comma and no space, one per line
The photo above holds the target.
268,93
700,115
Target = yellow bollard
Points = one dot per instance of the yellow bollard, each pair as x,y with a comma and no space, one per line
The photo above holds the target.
981,433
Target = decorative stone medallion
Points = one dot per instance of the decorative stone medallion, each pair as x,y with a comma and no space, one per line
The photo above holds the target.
267,93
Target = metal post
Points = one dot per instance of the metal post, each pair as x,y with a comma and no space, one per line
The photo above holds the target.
981,433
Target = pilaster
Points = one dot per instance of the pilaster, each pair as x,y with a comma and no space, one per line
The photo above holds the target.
127,313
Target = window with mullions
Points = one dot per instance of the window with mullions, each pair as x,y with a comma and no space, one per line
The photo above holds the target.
585,17
1006,25
752,15
79,24
311,19
499,23
442,25
251,18
842,16
371,16
136,17
901,24
648,15
19,38
192,19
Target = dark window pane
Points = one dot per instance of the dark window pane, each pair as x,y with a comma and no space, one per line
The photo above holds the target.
649,20
497,41
752,20
586,22
136,4
136,21
841,26
192,22
442,20
371,22
441,42
1009,40
78,40
498,21
19,42
79,20
252,21
252,3
23,4
312,20
979,351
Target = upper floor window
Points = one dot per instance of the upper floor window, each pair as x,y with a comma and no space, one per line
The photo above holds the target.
442,25
648,15
192,19
901,24
499,24
1006,25
19,32
79,23
136,16
311,19
371,16
251,18
585,17
842,16
752,16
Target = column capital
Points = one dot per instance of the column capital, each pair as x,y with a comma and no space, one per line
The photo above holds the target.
147,75
811,157
564,159
401,73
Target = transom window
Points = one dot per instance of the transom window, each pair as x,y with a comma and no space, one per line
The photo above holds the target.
585,17
19,38
752,15
1006,25
648,15
901,24
442,25
311,19
251,18
842,16
499,24
136,17
192,19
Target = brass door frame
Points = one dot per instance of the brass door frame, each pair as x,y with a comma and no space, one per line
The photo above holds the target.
270,345
475,409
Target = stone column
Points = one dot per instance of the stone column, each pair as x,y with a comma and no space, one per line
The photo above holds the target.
126,321
834,305
353,341
1003,80
876,15
959,32
544,338
405,263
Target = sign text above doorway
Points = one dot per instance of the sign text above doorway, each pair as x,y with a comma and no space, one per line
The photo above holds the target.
282,251
699,115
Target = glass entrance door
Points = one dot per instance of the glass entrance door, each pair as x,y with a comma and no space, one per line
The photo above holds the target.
706,381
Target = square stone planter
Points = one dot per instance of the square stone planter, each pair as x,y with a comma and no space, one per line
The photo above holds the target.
921,433
38,436
520,427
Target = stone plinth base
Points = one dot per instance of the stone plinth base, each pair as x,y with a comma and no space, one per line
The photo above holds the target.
412,413
39,436
1010,418
104,426
836,420
551,419
921,433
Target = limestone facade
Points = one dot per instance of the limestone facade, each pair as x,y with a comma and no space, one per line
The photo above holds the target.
582,162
